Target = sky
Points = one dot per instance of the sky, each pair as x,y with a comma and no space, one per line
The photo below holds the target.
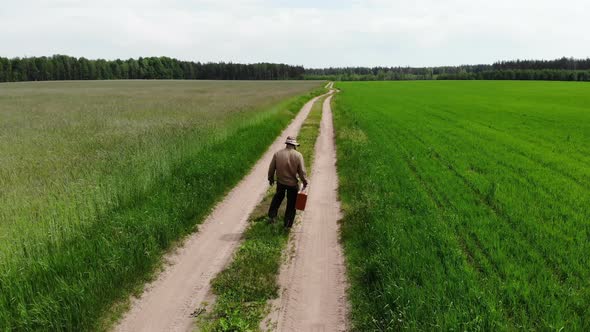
310,33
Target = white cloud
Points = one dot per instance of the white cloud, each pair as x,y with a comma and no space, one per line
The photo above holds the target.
331,33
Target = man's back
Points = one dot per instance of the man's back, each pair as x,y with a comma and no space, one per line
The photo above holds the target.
288,163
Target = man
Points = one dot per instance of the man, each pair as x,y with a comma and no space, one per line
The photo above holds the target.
287,163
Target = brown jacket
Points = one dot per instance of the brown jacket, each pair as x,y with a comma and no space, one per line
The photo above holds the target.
288,163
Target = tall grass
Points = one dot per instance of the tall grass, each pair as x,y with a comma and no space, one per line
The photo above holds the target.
466,204
102,177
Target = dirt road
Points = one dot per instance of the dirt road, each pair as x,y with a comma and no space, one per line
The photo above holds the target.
168,302
313,280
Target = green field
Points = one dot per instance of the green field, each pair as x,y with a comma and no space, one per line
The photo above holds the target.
98,179
467,204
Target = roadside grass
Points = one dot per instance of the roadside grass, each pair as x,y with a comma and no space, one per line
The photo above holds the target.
243,289
466,204
103,177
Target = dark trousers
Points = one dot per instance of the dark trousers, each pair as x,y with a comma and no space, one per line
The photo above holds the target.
278,199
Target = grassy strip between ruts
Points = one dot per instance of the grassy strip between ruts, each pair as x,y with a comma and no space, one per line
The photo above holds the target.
71,287
246,285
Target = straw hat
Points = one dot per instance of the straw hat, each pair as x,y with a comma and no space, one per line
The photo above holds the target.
292,141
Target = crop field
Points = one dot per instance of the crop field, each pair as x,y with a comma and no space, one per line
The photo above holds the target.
98,179
467,204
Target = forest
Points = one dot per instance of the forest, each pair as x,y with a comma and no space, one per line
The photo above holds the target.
563,69
63,67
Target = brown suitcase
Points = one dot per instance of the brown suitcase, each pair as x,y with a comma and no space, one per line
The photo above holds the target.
301,201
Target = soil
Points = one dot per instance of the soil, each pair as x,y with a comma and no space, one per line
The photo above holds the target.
313,281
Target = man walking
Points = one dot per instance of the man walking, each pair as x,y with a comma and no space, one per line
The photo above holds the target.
287,163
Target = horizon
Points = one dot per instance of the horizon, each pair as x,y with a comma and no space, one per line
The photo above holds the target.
349,33
306,68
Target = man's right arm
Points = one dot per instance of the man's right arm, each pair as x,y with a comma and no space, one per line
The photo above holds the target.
301,171
271,169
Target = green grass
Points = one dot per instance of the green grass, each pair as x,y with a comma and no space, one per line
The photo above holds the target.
244,287
99,179
466,204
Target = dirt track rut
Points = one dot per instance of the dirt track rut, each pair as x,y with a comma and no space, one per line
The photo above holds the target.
313,280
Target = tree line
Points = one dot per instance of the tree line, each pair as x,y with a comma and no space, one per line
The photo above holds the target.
522,74
564,69
558,64
370,74
63,67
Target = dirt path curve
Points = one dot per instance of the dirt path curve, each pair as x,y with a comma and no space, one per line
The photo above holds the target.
314,282
169,301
